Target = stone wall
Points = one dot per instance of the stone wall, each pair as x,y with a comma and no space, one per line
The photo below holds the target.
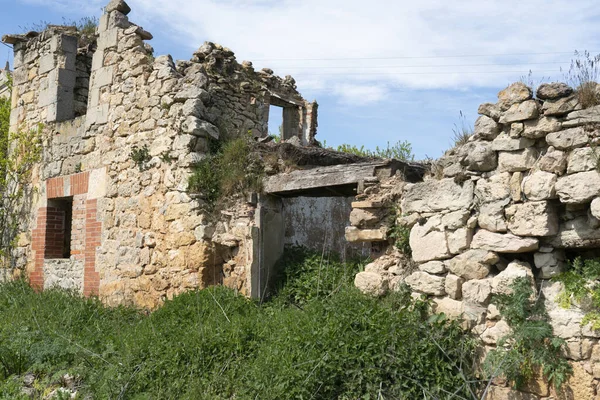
517,200
134,125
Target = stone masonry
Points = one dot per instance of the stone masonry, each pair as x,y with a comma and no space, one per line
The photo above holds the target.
129,231
519,199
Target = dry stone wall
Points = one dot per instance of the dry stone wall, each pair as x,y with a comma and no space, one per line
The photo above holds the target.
519,199
121,132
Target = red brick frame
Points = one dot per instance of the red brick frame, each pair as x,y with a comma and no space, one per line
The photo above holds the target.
55,188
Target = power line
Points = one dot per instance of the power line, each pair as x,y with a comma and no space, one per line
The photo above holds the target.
428,73
416,57
421,66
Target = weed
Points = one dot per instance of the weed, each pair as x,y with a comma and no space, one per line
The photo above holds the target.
78,168
140,156
583,75
531,345
165,157
401,150
462,131
532,83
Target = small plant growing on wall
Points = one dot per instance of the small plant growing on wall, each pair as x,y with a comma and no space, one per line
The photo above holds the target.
583,75
140,156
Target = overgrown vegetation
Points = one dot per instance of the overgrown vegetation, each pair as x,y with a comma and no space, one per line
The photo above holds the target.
230,168
531,346
85,26
140,156
583,75
401,150
582,287
19,152
318,338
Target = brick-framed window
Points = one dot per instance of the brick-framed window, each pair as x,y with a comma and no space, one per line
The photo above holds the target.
67,227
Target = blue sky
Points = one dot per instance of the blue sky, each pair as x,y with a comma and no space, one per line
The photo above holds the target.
386,70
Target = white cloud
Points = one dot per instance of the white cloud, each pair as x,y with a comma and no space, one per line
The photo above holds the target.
331,45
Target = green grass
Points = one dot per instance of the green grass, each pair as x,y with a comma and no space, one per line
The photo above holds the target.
318,338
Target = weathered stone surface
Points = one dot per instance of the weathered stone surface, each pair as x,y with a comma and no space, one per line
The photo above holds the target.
118,5
578,188
505,143
479,156
477,291
491,216
486,128
433,267
355,235
494,333
554,161
495,188
567,139
517,269
371,283
452,308
453,286
428,244
426,283
534,218
561,106
364,218
472,264
455,220
550,264
586,116
595,207
490,110
515,93
520,112
459,240
516,187
583,159
535,129
431,196
503,243
553,91
514,161
506,393
540,186
576,234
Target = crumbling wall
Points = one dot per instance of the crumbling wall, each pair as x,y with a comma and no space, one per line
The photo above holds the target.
517,200
122,131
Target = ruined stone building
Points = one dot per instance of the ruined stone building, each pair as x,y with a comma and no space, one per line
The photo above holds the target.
4,80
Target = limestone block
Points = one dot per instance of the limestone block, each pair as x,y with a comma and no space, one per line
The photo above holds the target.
456,219
355,235
550,264
472,264
108,38
371,283
554,161
459,240
453,286
197,127
590,115
538,128
47,63
534,218
494,188
503,242
479,156
583,159
452,308
490,110
102,77
434,195
540,186
491,216
505,143
516,269
520,112
578,188
433,267
514,161
516,193
486,128
427,244
595,207
97,187
515,93
364,218
425,283
561,106
478,291
516,129
191,92
494,333
568,139
553,91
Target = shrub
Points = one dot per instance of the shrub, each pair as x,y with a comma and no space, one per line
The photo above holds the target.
462,131
531,345
318,338
582,287
401,150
